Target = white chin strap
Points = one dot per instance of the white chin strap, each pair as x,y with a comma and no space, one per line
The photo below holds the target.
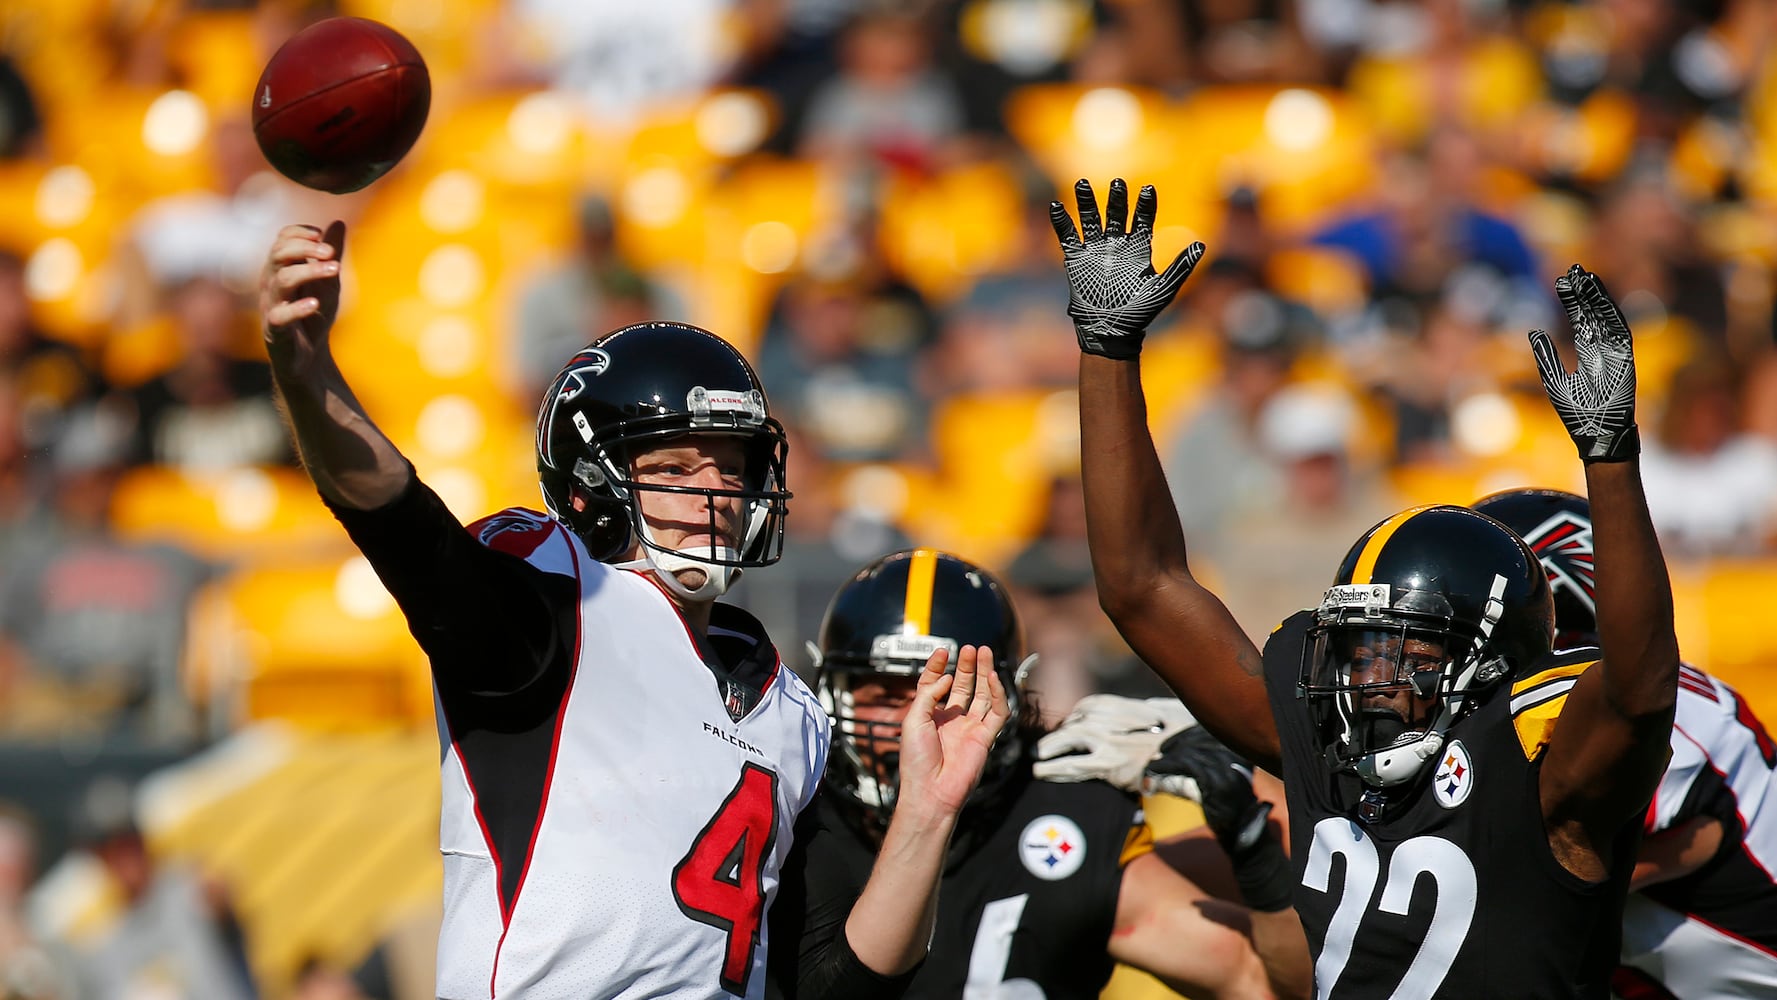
1397,764
666,565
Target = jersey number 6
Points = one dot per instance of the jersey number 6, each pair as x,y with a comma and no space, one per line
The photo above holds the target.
719,881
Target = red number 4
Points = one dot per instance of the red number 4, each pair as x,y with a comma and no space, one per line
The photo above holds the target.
719,881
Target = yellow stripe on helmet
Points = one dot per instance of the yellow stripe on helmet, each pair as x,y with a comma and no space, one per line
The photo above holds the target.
916,614
1366,560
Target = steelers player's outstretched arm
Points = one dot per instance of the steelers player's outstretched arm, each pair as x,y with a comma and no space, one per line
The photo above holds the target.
1175,624
353,463
1610,742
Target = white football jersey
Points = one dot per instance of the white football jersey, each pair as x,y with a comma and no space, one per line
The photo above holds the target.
663,823
1710,935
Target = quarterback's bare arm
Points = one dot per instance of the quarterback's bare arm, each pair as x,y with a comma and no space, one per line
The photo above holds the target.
1181,629
353,463
1611,742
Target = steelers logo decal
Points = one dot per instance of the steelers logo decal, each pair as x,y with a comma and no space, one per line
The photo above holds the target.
1052,847
1455,777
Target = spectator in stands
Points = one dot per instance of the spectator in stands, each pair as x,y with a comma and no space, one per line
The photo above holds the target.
96,623
49,377
1429,220
594,290
213,409
1277,549
1260,336
843,347
1711,486
1647,237
1051,579
174,932
21,123
889,106
28,970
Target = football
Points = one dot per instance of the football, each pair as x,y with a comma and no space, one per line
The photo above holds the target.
340,103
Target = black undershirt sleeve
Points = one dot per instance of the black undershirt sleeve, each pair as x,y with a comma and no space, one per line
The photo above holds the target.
810,957
491,623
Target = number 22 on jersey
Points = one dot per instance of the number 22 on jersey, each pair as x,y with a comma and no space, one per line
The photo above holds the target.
720,881
1454,910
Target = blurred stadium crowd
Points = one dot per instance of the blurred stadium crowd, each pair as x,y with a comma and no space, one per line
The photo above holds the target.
214,728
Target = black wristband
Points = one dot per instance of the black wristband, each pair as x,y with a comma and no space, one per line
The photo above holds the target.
1263,874
1123,347
1622,446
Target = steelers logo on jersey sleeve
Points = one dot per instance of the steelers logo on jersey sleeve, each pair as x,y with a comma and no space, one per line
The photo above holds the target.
1052,847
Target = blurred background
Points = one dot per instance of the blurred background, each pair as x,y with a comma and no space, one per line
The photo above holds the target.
218,773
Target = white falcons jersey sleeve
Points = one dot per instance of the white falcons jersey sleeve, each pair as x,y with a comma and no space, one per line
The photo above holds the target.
1712,934
664,823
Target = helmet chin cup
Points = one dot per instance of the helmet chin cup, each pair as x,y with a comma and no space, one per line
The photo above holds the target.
1401,761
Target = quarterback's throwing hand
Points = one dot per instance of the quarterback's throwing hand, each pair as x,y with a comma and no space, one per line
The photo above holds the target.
299,292
1113,291
1597,400
1110,738
950,730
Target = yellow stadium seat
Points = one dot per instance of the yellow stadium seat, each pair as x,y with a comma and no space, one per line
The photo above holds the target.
226,516
319,644
141,140
1722,610
996,453
217,55
1079,130
1307,151
943,232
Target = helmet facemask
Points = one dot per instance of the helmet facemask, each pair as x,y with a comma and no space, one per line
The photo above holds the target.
1388,672
603,475
866,752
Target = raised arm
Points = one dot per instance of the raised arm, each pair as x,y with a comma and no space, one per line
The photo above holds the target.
1610,743
352,463
1145,585
945,742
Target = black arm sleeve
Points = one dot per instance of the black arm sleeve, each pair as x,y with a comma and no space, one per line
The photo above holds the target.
810,958
491,623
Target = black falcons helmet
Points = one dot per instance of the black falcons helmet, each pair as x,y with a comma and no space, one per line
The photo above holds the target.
1438,598
629,390
1558,528
885,622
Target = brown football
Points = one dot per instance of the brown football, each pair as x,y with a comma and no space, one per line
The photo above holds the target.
340,103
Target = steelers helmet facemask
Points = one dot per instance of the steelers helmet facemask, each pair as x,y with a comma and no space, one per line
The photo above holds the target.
882,625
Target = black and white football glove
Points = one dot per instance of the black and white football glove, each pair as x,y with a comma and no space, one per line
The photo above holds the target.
1114,292
1597,400
1195,765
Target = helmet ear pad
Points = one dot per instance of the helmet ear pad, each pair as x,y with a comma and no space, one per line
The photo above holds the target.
603,524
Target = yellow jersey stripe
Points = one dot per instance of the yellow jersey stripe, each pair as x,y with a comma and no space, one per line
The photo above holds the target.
916,614
1544,676
1366,560
1139,842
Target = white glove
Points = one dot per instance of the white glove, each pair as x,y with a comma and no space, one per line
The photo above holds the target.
1111,739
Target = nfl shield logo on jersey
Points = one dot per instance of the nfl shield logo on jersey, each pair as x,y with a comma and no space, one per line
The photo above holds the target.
1052,847
1455,777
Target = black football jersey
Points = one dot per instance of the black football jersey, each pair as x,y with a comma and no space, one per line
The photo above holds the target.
1029,895
1453,892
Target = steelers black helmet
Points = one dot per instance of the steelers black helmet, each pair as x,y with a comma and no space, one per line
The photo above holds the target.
634,388
884,623
1558,527
1440,601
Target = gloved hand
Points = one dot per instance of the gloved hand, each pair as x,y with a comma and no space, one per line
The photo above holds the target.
1109,738
1197,766
1596,401
1115,293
